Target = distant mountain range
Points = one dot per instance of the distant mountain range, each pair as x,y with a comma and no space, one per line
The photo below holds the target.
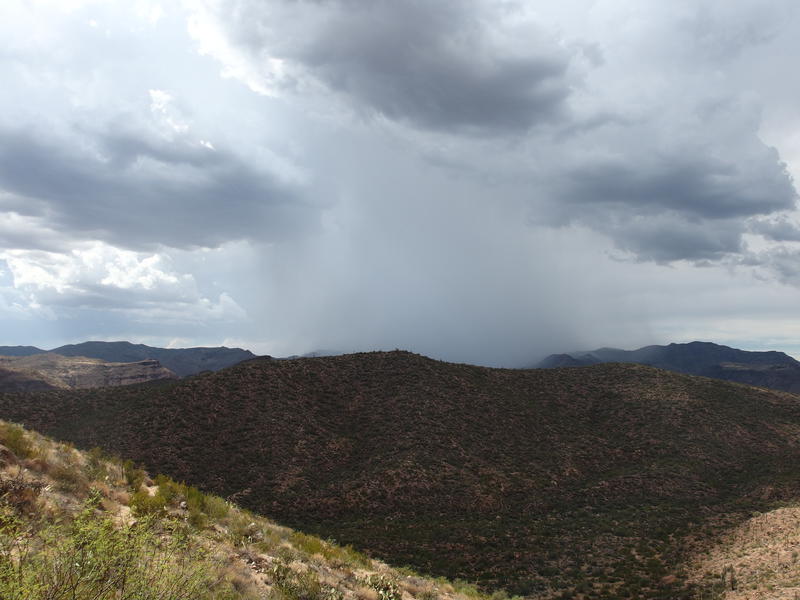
588,483
771,369
181,361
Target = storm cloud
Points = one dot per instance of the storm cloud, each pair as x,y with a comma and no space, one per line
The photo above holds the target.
452,65
125,188
476,180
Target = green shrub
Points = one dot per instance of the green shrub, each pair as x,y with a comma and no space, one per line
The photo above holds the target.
215,507
351,556
142,503
197,519
387,588
195,499
91,559
308,543
268,541
243,530
69,478
15,439
466,588
96,463
133,476
291,585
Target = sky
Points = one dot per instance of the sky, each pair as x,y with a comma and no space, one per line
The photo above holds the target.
484,181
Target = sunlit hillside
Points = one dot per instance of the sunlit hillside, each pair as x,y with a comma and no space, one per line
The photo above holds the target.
83,526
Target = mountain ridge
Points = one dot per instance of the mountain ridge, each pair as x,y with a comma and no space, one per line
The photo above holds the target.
770,369
182,361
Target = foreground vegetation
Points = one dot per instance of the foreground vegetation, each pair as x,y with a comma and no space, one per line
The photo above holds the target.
595,482
85,526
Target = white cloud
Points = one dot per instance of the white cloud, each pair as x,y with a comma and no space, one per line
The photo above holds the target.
100,277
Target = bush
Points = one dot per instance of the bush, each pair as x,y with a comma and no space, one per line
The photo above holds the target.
291,585
69,478
96,463
215,507
142,503
92,559
19,493
243,530
387,588
133,475
168,489
14,438
307,543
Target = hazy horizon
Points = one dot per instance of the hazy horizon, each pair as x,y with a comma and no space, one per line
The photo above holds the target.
331,352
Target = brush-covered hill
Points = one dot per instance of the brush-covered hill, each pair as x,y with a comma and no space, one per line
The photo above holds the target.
770,369
17,380
590,482
52,371
85,526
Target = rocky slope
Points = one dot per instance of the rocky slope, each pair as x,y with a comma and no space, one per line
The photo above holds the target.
582,482
772,369
51,371
85,526
757,560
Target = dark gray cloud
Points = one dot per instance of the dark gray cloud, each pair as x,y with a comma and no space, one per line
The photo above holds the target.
135,192
670,237
663,201
691,185
779,229
450,65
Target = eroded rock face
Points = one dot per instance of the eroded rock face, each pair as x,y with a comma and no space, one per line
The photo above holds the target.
52,371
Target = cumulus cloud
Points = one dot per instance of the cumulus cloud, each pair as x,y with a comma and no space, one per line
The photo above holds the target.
461,66
100,149
101,277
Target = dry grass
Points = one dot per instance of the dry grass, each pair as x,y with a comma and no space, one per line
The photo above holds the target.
366,593
759,560
257,559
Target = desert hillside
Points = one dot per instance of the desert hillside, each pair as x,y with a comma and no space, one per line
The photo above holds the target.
593,481
85,526
52,371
